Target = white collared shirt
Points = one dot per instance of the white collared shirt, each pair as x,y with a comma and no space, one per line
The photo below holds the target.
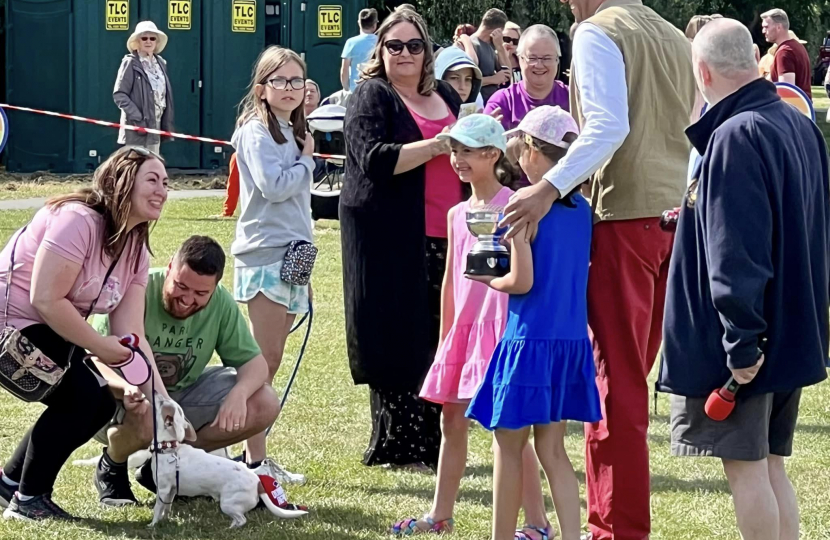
599,70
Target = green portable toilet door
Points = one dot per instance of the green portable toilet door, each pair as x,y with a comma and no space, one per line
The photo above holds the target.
184,67
39,75
101,32
233,37
319,32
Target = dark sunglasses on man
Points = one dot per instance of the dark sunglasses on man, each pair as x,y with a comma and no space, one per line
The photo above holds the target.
414,46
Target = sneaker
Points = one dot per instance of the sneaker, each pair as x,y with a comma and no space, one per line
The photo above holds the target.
6,492
35,509
144,476
113,483
270,468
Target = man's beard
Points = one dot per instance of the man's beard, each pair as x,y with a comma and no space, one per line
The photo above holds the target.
169,307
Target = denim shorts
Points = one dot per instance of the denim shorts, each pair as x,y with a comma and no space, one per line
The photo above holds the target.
250,280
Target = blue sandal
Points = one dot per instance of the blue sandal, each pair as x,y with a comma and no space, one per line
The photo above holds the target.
409,527
544,534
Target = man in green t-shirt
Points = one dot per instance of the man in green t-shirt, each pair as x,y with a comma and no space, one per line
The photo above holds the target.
188,316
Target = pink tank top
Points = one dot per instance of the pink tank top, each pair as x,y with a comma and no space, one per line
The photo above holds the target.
442,188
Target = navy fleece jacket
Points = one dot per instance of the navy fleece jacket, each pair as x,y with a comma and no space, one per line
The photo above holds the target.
751,263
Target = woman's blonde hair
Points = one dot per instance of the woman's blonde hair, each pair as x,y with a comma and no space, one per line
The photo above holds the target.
253,106
109,195
513,26
375,67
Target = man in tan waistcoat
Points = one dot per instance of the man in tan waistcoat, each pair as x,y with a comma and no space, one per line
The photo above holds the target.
632,92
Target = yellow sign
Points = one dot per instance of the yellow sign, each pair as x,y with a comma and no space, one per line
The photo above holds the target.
244,16
178,14
118,15
330,22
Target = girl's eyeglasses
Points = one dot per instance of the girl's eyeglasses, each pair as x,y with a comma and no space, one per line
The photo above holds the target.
414,46
507,39
281,83
148,38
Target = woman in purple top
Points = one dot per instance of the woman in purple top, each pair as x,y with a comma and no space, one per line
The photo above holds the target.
539,55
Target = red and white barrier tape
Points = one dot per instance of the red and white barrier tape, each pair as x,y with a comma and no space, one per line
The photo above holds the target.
139,129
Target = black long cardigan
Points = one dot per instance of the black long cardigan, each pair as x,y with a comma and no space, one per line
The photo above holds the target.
382,229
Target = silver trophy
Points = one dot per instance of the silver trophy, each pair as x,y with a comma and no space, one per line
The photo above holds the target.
488,257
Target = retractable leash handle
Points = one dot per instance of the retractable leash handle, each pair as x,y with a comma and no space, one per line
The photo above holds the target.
136,369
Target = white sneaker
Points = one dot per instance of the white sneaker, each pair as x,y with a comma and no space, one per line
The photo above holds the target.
270,468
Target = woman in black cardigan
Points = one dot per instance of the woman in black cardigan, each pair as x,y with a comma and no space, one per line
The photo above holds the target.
391,277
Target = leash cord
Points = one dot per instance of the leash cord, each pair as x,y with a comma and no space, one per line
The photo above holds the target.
155,449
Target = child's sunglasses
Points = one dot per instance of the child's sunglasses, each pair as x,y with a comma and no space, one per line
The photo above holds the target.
414,46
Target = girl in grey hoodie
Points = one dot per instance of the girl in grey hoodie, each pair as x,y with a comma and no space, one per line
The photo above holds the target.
274,157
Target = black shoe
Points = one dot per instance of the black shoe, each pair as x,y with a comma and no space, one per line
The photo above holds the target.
144,476
112,481
6,492
35,509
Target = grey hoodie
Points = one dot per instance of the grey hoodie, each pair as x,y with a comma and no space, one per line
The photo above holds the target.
274,194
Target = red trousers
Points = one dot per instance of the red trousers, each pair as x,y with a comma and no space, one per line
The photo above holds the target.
232,196
626,295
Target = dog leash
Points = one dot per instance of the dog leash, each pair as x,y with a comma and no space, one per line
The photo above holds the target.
290,384
132,345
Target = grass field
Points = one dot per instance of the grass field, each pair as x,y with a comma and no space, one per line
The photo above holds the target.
325,427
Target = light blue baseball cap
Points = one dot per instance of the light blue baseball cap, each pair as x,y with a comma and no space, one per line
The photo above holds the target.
477,131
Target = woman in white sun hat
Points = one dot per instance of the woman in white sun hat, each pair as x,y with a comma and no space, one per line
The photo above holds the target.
142,88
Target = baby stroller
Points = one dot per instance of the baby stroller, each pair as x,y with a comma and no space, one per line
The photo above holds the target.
326,126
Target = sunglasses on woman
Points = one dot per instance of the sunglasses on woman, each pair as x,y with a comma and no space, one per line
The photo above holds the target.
281,83
145,153
148,38
507,39
414,46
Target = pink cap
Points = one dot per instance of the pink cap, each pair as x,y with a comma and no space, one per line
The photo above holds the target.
547,123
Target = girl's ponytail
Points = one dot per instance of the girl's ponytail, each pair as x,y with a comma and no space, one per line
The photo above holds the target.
506,173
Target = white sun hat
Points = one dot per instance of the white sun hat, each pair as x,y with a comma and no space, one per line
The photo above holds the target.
147,27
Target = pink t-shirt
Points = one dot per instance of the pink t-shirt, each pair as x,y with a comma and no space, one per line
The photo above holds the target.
74,232
442,187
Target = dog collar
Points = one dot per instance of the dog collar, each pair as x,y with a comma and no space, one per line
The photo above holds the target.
164,446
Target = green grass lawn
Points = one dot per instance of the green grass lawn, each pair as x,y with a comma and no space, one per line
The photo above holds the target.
325,427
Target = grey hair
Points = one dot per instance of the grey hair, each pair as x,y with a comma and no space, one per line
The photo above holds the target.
725,45
538,31
778,16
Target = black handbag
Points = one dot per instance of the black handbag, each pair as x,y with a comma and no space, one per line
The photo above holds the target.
298,263
25,371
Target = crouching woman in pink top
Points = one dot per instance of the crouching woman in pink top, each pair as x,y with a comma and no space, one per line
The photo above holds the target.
86,251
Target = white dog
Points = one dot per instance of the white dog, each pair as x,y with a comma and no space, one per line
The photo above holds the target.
180,469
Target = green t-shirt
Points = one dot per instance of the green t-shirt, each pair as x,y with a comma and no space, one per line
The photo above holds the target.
182,348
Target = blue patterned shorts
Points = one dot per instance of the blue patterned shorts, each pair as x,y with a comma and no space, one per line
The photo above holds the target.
250,280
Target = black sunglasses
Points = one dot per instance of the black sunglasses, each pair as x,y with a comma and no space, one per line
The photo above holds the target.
145,153
148,38
414,46
507,39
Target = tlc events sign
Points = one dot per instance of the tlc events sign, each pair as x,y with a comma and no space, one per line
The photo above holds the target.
330,22
244,16
179,14
118,15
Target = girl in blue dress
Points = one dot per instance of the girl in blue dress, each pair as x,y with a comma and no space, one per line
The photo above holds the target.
542,371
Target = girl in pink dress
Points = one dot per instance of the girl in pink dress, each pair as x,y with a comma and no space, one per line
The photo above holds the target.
473,317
